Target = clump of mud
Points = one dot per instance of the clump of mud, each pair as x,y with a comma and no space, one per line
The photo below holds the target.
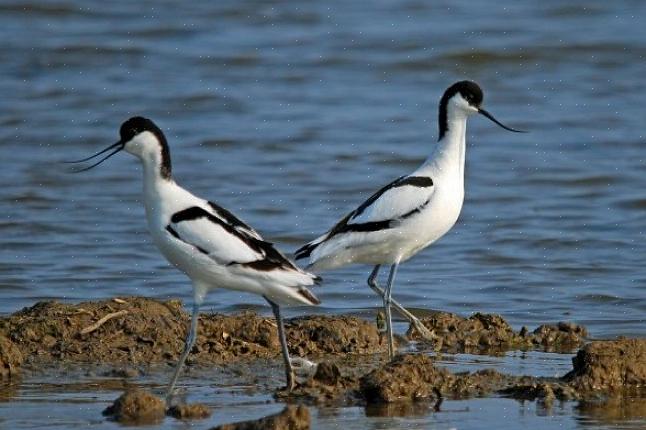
291,418
335,382
333,335
137,330
192,411
10,359
137,407
414,377
407,377
545,392
609,366
489,333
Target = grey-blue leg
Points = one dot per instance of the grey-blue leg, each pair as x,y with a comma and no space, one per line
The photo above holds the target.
387,303
190,341
289,370
421,328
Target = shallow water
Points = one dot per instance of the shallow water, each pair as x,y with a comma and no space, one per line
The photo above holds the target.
291,113
80,403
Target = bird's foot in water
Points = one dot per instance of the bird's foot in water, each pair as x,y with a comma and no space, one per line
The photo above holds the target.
304,370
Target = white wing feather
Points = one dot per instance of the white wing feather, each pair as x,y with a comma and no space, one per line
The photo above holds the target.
393,204
215,240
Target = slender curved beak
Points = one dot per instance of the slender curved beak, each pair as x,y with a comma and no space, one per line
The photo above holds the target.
488,115
117,147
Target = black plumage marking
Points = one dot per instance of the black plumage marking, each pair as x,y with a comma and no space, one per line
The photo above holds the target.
343,226
173,233
272,260
192,213
305,251
402,181
307,294
416,210
138,124
228,216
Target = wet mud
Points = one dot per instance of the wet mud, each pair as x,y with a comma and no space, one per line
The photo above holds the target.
609,366
408,378
194,411
137,407
491,334
10,359
290,418
137,330
352,369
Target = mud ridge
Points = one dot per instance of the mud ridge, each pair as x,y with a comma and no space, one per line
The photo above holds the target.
10,359
491,334
137,330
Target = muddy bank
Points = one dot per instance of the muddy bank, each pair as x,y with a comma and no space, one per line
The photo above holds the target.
137,407
131,331
291,418
194,411
609,366
408,378
606,367
10,359
491,334
137,330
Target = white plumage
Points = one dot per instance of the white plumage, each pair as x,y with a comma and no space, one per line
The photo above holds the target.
205,241
411,212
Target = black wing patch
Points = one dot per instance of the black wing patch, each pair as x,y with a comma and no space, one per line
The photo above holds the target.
229,217
343,226
272,258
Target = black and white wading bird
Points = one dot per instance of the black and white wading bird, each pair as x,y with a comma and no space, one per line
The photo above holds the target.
205,241
408,214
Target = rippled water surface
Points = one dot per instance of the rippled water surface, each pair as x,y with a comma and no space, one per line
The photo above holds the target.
291,113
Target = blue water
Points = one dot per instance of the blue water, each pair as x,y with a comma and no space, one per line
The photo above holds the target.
291,113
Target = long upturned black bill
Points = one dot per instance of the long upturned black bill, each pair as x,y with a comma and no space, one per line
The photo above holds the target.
488,115
117,147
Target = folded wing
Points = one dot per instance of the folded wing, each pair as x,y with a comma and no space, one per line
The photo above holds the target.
385,209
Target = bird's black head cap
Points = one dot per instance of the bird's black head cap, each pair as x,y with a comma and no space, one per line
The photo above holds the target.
138,124
469,90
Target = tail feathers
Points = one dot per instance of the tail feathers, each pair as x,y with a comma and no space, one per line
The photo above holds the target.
308,296
306,250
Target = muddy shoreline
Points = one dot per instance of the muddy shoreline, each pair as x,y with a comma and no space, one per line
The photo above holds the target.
136,330
352,367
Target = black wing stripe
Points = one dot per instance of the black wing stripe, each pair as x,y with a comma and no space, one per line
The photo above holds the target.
365,205
173,233
196,212
402,181
272,260
418,209
416,181
305,251
228,216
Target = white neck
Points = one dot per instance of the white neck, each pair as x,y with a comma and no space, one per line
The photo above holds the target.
449,154
154,186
